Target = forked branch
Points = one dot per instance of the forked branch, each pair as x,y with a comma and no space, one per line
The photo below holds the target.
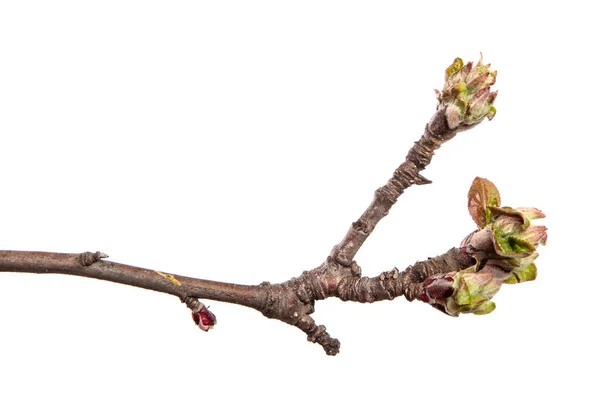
461,280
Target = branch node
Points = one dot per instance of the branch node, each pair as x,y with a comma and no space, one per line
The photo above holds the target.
192,303
355,269
360,227
89,258
318,334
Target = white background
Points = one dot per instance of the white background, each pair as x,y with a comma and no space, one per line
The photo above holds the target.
237,141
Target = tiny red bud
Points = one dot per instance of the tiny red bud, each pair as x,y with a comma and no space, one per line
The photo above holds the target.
204,318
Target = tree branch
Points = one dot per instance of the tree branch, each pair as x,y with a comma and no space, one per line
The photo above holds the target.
92,265
391,284
436,133
292,301
456,281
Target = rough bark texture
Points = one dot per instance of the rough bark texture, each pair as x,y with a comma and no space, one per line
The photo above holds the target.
406,175
393,283
294,300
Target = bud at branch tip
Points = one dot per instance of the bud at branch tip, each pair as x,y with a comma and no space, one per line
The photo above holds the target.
466,93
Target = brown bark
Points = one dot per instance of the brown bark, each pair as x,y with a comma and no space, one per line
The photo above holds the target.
292,301
407,174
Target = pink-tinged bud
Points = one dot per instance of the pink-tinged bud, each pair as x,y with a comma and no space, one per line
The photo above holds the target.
504,248
506,238
204,318
436,291
474,293
466,93
465,291
514,236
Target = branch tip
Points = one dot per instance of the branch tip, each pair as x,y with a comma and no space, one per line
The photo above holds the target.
318,334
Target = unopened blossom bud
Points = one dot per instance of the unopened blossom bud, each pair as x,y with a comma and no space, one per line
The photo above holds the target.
465,291
513,233
474,292
506,239
504,249
466,93
204,318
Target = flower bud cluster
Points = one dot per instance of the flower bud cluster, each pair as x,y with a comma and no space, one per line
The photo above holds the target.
466,93
504,249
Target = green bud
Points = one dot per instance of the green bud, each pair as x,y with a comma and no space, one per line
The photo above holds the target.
504,246
506,242
474,292
514,236
466,93
465,291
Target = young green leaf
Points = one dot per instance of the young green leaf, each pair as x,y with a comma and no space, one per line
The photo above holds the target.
482,194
